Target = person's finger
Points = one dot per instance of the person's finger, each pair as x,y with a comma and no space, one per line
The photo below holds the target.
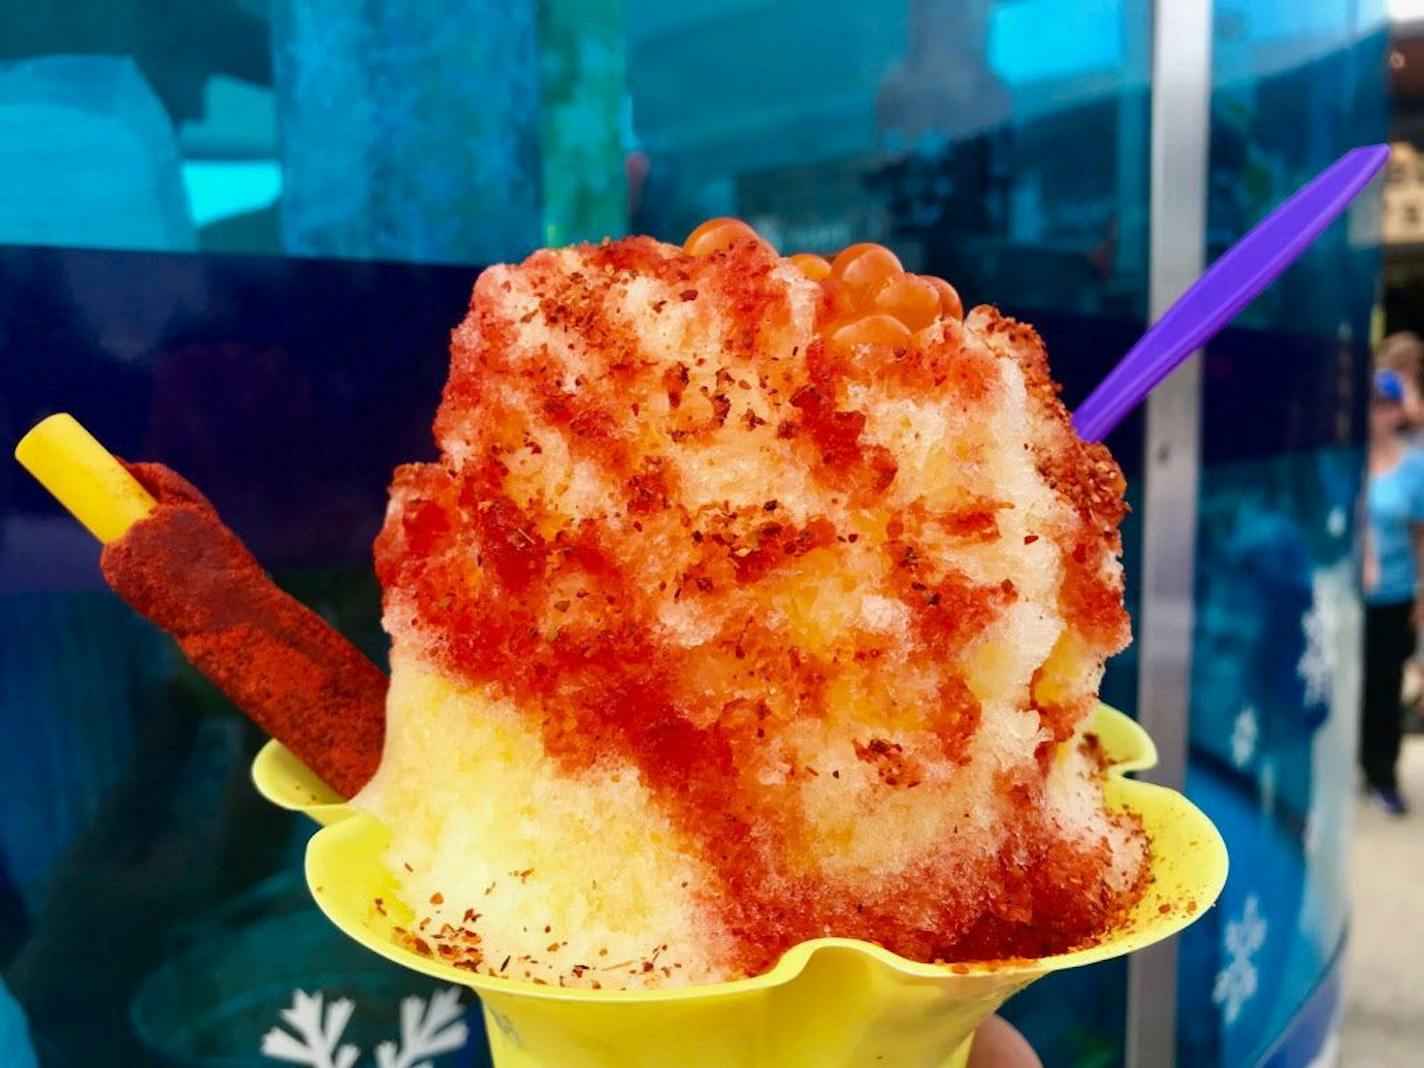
998,1045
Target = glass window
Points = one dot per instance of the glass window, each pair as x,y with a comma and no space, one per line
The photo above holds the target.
405,131
1275,669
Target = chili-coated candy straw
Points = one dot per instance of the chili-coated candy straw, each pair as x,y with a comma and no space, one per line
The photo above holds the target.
170,557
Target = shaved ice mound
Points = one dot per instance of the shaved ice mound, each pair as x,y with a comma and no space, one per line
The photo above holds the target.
751,600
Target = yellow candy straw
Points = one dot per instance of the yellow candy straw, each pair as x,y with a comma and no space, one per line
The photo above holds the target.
84,477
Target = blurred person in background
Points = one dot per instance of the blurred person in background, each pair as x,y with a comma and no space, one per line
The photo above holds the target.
1403,353
1394,540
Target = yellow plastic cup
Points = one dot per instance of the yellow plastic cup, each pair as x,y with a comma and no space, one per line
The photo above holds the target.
829,1003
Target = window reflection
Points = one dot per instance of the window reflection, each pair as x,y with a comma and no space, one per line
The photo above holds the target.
312,127
1019,174
105,107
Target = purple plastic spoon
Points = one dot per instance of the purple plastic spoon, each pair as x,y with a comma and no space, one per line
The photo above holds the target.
1231,283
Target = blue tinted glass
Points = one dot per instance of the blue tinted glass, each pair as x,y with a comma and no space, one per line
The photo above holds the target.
405,131
1275,670
918,125
411,132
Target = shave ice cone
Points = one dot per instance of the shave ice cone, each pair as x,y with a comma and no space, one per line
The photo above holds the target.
746,637
828,1003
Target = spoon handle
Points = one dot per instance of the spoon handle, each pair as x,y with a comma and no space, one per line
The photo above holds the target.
1231,283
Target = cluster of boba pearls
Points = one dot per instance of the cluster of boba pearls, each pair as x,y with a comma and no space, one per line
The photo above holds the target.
873,300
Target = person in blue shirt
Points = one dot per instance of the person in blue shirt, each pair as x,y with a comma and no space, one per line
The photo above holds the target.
1394,543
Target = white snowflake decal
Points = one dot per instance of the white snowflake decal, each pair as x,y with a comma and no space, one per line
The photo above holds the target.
1321,624
318,1033
427,1029
1237,981
1244,733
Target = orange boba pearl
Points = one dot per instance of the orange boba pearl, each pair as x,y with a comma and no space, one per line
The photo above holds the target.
864,267
909,298
877,328
950,306
812,266
717,234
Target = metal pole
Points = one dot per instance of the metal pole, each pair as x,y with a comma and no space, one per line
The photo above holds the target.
1181,101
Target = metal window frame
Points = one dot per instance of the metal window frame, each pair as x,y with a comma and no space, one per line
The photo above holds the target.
1181,115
